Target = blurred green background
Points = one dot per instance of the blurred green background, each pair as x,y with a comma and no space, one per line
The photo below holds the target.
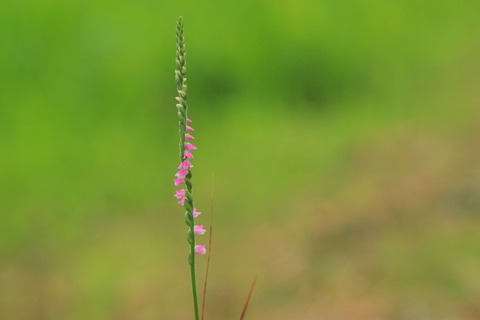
343,137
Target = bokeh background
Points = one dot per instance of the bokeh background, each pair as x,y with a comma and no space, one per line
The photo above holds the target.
343,137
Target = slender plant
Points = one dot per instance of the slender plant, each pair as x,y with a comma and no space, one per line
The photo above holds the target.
184,178
184,175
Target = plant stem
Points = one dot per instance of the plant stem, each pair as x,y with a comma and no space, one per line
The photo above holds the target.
194,280
191,240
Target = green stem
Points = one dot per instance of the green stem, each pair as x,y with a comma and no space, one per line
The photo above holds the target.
191,240
194,277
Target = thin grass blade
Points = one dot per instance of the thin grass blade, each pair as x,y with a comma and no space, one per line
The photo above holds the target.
248,298
210,234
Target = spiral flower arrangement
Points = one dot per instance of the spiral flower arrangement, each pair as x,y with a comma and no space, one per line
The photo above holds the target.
183,177
184,174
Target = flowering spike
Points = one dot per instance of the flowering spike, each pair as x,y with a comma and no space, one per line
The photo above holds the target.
184,175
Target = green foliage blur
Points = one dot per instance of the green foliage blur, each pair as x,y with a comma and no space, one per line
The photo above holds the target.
342,137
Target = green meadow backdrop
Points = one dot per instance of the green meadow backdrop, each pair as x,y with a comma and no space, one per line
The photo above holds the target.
343,137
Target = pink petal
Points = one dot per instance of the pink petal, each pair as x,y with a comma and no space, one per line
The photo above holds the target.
189,136
182,173
185,164
179,193
189,128
188,120
188,154
190,146
196,213
198,229
179,181
200,249
182,201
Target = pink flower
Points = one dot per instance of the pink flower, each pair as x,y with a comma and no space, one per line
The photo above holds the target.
182,173
200,249
179,193
196,213
182,201
199,229
189,128
190,146
185,164
188,154
179,181
189,136
188,120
